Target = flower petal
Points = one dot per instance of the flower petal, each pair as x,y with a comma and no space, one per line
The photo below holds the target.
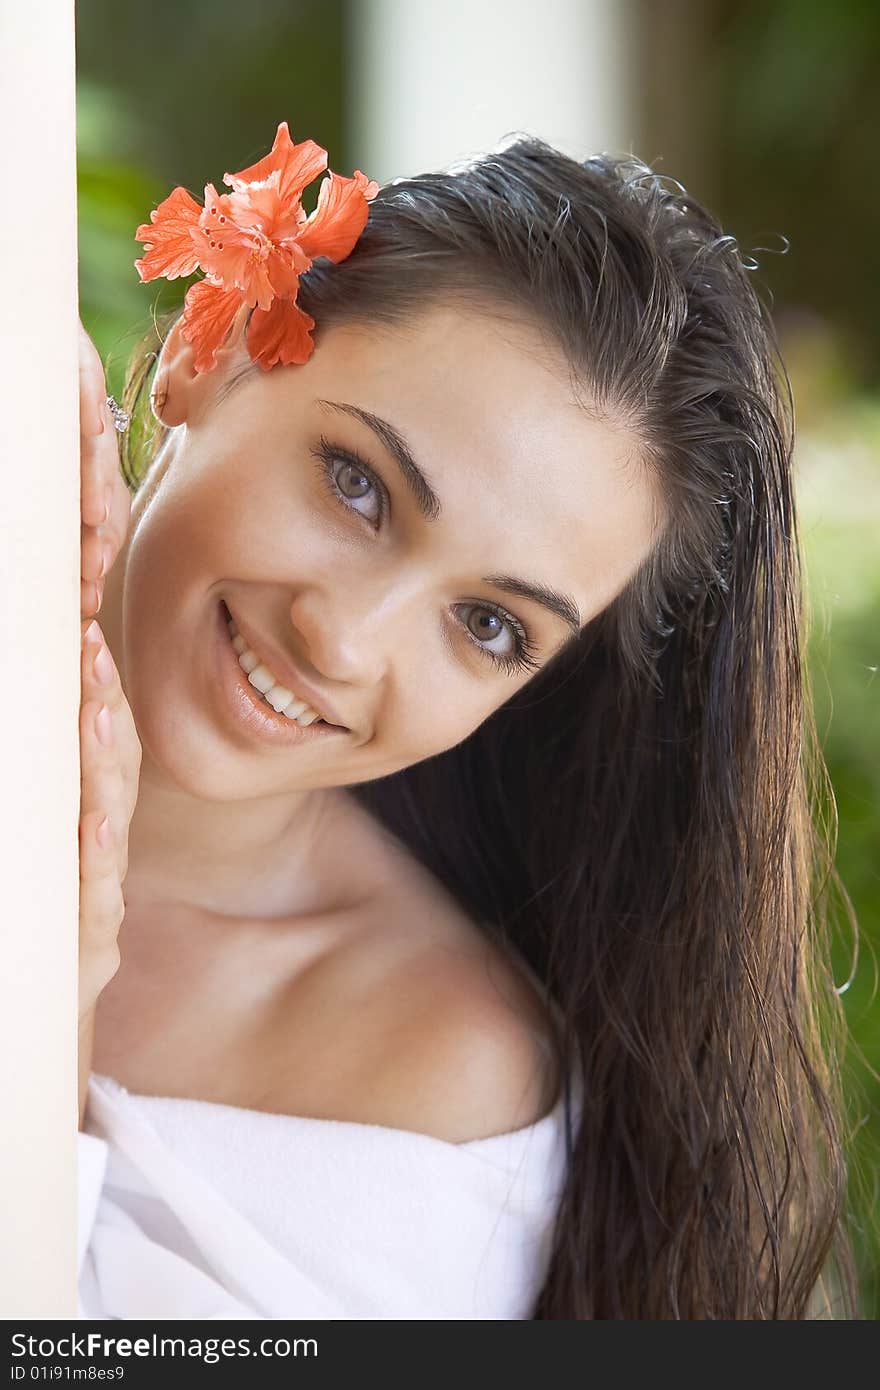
285,265
170,249
297,165
280,334
261,205
339,217
233,255
208,315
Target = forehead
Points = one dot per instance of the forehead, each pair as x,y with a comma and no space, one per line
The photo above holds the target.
489,413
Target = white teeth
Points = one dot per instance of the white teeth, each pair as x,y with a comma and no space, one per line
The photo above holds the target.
261,678
278,697
282,700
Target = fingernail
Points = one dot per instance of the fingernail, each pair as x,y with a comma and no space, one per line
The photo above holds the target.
104,726
106,559
93,632
108,499
103,833
104,671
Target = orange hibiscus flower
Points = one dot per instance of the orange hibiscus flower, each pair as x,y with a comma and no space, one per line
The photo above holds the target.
253,244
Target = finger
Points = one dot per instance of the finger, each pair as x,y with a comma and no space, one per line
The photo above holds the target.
99,471
101,684
92,386
98,549
94,499
100,679
119,501
101,904
91,596
101,785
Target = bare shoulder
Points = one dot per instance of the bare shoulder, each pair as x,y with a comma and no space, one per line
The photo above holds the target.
476,1061
413,1019
464,1051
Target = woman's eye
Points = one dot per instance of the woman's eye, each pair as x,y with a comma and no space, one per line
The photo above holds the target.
490,624
350,480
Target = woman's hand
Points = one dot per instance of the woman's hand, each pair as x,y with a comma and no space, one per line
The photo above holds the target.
105,502
110,749
110,763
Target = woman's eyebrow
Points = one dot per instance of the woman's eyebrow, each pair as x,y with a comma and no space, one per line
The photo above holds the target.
416,480
428,502
562,605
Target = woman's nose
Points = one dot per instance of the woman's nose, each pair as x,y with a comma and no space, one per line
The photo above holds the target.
349,633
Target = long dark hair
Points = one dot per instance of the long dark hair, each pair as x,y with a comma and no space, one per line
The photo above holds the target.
643,820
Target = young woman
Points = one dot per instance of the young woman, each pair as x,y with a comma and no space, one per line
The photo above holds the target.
533,900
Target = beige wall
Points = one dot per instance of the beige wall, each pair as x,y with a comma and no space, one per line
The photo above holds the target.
39,690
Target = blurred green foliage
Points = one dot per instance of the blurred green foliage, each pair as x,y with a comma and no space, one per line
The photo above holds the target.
792,92
839,505
788,97
181,93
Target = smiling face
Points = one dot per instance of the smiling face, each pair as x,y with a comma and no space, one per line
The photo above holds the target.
410,600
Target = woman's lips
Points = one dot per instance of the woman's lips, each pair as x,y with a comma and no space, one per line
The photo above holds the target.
281,666
248,709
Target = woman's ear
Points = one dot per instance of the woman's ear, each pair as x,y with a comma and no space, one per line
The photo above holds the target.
180,394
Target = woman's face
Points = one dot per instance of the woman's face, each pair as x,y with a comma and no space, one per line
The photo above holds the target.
389,599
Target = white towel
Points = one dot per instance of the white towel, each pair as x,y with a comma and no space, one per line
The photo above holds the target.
193,1209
